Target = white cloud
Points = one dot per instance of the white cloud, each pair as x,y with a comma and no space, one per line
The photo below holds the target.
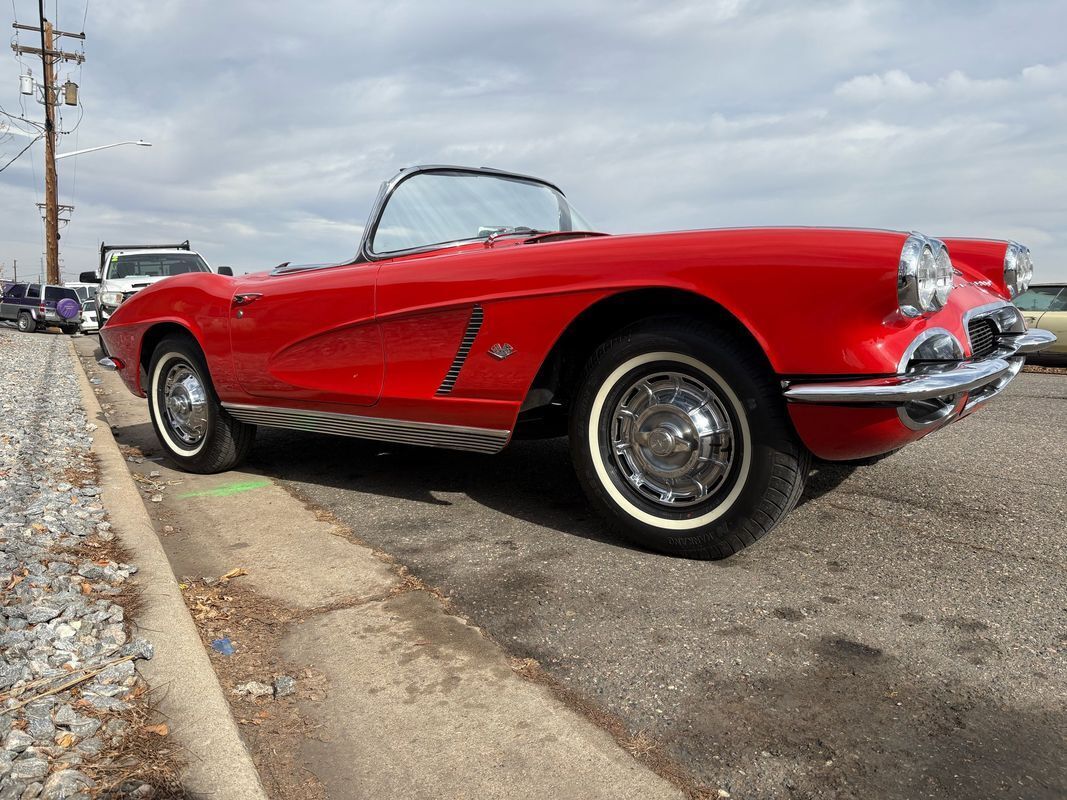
892,85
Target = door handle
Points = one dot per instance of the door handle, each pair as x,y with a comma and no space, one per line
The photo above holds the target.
245,299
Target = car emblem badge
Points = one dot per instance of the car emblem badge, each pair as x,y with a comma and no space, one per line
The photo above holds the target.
501,351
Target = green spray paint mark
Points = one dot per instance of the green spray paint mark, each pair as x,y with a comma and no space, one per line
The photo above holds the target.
228,490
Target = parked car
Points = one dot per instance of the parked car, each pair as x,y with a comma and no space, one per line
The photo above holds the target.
87,297
26,306
127,268
1045,306
696,373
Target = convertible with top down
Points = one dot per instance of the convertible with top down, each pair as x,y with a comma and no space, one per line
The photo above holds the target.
696,373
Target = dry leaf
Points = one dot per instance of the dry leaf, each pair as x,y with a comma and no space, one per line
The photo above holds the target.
160,730
87,588
233,573
66,740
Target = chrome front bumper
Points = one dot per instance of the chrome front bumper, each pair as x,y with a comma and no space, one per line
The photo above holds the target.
987,376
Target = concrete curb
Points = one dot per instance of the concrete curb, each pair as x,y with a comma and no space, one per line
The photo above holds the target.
188,691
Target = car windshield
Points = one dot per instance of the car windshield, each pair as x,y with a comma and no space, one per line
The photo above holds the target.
438,208
154,265
1043,298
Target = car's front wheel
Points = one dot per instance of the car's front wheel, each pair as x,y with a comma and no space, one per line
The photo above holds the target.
190,422
26,323
681,440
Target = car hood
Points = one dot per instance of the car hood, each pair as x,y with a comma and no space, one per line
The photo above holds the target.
131,284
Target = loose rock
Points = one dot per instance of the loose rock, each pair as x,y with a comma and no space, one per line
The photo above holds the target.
55,613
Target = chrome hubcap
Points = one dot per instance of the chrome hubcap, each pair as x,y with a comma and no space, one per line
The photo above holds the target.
185,404
672,439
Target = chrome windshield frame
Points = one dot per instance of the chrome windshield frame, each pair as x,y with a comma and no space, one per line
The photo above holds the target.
390,186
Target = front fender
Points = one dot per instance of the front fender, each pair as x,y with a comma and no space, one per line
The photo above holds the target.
198,303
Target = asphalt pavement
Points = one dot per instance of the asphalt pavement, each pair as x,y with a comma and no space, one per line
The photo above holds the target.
902,634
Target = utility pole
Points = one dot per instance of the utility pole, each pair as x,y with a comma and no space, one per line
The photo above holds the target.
51,191
49,57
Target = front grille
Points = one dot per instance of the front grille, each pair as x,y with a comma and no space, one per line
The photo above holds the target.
983,333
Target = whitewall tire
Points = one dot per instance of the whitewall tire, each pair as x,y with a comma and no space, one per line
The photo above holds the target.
681,441
190,422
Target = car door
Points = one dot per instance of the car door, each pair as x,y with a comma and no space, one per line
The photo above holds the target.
308,335
32,301
1055,319
11,302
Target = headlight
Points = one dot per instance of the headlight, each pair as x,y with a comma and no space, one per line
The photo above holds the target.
944,271
924,280
1018,269
110,298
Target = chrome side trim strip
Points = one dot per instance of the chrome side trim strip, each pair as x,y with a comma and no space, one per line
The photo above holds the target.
474,324
428,434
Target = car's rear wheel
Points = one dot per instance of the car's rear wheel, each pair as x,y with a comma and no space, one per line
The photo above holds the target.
69,329
680,438
26,323
190,422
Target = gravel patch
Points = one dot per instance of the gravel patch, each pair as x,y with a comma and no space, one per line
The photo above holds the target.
68,681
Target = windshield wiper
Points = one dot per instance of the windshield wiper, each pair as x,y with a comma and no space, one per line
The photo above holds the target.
510,230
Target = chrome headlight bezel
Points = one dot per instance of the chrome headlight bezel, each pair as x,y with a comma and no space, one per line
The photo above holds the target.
1018,269
924,276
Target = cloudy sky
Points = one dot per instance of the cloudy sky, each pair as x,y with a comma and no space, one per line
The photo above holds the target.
274,122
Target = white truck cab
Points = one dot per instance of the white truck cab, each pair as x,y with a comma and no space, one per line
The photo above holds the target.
126,269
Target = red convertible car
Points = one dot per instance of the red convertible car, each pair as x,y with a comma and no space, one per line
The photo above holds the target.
696,373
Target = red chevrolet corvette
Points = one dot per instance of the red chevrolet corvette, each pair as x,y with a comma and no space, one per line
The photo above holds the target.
696,373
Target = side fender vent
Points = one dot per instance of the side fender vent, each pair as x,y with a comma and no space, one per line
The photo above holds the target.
474,324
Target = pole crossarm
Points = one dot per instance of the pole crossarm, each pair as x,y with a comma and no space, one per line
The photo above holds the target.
22,27
22,50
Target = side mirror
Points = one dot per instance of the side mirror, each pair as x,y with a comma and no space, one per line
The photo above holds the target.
226,271
88,277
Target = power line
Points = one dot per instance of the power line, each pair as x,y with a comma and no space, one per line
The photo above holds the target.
23,150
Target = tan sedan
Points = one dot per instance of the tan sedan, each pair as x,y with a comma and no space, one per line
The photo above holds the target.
1045,306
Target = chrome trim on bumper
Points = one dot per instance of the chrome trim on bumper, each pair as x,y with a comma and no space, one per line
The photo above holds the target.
428,434
961,377
1033,341
985,378
989,391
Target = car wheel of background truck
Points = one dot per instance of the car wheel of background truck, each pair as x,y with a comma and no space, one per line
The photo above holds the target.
190,422
26,323
680,439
